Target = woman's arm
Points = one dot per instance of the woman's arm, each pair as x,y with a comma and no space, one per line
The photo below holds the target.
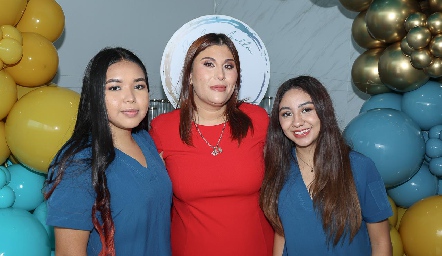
278,245
379,233
70,242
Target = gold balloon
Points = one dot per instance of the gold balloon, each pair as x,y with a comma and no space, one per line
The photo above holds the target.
421,58
418,37
39,62
361,35
435,45
4,149
434,23
23,90
400,214
434,70
11,51
396,242
356,5
11,11
406,49
392,220
44,17
417,19
8,94
435,5
396,71
9,31
385,19
365,73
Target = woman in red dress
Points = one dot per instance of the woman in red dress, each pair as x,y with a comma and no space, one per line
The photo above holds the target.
213,150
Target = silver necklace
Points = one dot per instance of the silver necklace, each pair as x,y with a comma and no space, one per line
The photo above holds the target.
216,150
299,156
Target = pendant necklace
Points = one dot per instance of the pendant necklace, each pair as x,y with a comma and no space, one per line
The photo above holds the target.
299,156
216,150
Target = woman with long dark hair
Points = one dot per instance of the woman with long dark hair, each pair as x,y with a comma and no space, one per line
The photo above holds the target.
321,197
213,149
108,192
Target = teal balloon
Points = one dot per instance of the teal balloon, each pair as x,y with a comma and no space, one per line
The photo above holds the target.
433,148
40,213
27,186
22,234
440,187
7,197
8,174
423,184
391,139
435,166
424,105
435,132
383,100
3,178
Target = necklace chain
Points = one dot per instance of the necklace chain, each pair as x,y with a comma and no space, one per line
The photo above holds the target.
299,156
216,150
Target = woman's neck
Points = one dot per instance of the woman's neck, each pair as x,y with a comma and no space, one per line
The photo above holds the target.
204,116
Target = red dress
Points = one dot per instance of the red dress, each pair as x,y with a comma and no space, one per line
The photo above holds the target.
215,204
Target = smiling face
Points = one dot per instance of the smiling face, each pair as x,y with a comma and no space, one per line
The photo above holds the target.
298,118
213,76
126,96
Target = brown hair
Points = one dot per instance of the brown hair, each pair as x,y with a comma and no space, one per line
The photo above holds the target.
240,123
333,190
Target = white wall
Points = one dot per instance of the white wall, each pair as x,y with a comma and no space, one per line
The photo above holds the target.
302,37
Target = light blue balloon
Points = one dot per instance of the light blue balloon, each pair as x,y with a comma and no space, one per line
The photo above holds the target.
435,132
433,148
7,197
40,213
383,100
423,184
440,187
23,232
435,166
3,178
391,139
27,186
8,174
424,104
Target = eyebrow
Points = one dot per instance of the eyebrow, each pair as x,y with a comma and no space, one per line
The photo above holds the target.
210,58
300,105
112,80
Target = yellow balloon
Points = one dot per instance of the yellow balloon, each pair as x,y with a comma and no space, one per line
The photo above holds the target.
365,73
8,93
11,51
393,219
400,214
434,23
435,45
360,33
396,242
417,19
386,19
11,11
44,17
40,123
23,90
356,5
421,227
39,62
396,71
4,149
418,37
434,70
421,58
9,31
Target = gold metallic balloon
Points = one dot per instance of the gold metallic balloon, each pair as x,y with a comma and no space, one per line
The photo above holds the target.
365,73
435,45
360,33
356,5
434,70
416,19
435,5
418,37
406,49
386,19
434,23
396,71
421,58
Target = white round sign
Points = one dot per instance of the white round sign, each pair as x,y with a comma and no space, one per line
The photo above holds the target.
255,65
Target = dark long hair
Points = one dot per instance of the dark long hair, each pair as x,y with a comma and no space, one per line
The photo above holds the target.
333,190
92,131
240,123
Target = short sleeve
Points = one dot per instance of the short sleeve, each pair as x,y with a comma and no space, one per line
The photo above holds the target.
70,204
155,136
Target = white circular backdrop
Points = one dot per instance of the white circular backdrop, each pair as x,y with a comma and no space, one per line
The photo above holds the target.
255,65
